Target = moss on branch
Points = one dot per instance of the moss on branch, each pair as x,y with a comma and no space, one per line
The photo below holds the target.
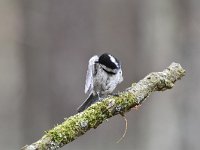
77,125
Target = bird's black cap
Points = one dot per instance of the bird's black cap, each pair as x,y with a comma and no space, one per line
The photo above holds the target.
109,61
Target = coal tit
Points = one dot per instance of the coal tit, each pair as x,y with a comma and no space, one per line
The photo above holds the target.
103,75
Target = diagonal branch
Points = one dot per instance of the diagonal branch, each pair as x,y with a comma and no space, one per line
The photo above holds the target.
77,125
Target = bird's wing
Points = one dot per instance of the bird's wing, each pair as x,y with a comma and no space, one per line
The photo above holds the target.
90,72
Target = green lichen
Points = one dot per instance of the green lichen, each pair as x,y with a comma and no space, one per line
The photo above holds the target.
42,146
90,118
126,100
65,132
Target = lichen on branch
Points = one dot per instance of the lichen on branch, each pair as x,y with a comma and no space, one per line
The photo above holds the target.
77,125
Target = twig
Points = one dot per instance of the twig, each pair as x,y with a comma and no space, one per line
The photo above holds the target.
125,130
92,117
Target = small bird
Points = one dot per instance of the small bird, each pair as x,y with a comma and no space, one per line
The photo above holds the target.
103,75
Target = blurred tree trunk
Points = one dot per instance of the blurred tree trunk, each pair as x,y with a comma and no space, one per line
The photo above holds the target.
36,106
159,27
189,103
12,85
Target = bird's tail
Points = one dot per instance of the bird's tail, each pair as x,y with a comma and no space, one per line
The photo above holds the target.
88,102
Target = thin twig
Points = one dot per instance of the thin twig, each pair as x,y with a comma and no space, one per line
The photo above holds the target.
125,130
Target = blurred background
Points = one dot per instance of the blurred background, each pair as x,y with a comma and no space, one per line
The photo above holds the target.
45,46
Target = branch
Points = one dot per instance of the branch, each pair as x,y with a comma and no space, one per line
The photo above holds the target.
77,125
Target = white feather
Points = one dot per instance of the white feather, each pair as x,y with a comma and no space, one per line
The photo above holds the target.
90,72
113,60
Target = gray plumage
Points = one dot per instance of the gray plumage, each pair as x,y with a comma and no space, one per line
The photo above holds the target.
103,75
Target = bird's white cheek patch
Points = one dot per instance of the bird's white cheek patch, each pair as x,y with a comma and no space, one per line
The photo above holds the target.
113,60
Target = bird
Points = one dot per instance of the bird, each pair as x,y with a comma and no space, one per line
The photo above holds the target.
104,73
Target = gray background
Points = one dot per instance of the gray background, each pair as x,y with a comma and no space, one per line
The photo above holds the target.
45,46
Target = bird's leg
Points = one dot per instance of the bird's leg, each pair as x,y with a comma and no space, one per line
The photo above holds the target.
99,96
